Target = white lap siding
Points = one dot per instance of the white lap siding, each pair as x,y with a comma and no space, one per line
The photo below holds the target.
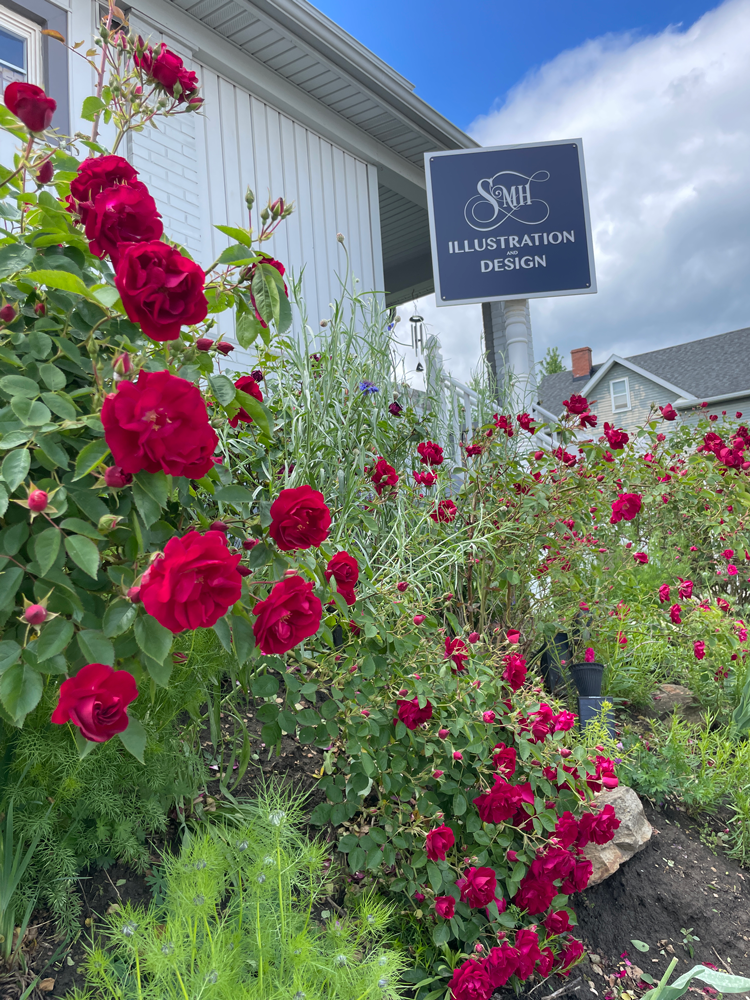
643,392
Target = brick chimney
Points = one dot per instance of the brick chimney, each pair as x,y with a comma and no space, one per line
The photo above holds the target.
581,361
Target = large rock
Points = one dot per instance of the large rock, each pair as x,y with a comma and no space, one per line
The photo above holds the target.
669,697
632,835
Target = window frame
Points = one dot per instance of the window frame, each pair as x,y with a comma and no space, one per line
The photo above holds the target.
53,73
24,27
626,380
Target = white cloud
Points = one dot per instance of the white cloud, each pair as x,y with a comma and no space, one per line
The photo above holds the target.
665,121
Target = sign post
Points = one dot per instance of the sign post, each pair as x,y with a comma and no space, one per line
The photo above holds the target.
508,224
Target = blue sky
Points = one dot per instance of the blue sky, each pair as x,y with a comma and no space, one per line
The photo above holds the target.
464,57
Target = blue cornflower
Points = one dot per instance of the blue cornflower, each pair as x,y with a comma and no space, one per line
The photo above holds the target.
368,388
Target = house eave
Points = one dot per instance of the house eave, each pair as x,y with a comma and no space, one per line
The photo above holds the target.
615,359
683,404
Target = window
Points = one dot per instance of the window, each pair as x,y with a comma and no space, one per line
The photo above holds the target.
20,49
620,391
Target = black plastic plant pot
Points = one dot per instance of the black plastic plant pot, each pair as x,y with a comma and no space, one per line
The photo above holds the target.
587,677
590,709
555,657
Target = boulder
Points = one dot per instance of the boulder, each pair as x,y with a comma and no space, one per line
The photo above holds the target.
632,835
669,697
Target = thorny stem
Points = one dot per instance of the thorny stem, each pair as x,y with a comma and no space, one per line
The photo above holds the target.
100,75
24,161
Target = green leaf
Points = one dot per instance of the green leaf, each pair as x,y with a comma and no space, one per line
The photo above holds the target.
158,672
54,638
60,405
242,637
31,412
237,254
720,981
91,106
118,618
266,292
148,508
134,739
64,281
75,524
84,554
257,410
83,745
271,733
106,295
52,376
321,814
10,653
19,385
90,456
441,934
152,638
640,945
221,628
223,388
459,804
3,500
20,690
46,547
241,235
264,685
15,468
10,581
156,485
233,494
15,258
435,876
247,328
96,648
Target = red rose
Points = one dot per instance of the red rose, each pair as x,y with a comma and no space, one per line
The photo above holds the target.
345,571
95,175
289,614
45,173
188,80
617,439
96,700
30,104
565,457
454,651
160,289
625,507
556,863
500,803
504,423
566,829
383,475
557,922
445,512
245,384
445,906
579,876
125,213
571,955
534,894
474,449
527,946
412,715
685,589
300,519
500,964
527,422
427,479
668,412
194,583
478,887
115,478
674,614
504,760
588,420
470,982
515,670
598,828
640,557
430,453
159,423
439,842
664,593
699,649
167,69
576,404
545,962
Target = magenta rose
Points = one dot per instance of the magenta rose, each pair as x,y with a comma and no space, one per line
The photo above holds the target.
625,507
576,404
500,803
300,519
598,828
412,715
289,614
570,956
470,982
579,877
566,829
454,650
160,289
430,453
504,760
245,384
159,423
383,475
439,842
478,887
500,964
345,571
194,583
445,907
616,439
527,946
445,512
30,104
534,894
557,922
95,175
96,700
515,670
125,213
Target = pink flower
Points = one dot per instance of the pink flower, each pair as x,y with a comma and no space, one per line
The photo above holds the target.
418,619
412,715
668,412
439,841
401,586
728,553
557,922
626,507
699,648
685,589
443,733
457,755
589,655
515,670
664,593
445,906
478,887
438,774
513,636
640,557
488,717
473,637
674,614
504,760
732,570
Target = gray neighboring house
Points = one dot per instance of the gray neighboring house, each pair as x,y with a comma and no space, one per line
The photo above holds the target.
713,370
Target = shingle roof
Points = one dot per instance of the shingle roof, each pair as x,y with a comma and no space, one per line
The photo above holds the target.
712,366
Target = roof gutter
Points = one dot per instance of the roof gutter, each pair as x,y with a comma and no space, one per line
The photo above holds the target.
683,404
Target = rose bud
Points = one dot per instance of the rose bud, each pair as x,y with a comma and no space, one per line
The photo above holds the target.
418,619
224,347
257,375
218,526
419,897
479,947
401,586
443,733
250,543
511,856
7,313
40,309
45,173
365,712
403,691
30,103
115,478
565,752
134,595
38,500
353,668
122,364
35,614
244,570
447,597
204,343
457,755
438,774
488,717
473,637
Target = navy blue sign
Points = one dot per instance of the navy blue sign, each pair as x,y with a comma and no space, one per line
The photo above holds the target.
510,222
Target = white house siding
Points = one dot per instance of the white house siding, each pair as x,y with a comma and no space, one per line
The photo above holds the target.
643,392
731,406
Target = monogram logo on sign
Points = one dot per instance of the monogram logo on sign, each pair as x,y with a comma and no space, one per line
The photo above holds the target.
507,195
